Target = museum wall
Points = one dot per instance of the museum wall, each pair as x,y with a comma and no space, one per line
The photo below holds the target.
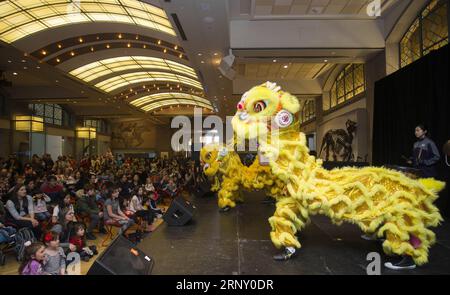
337,120
5,144
137,136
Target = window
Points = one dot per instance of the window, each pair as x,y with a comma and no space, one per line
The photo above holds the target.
308,112
52,113
427,33
349,83
99,125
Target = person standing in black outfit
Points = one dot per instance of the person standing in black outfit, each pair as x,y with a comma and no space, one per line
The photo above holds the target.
425,153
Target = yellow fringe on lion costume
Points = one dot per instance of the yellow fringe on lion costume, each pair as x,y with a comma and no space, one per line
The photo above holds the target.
380,201
224,167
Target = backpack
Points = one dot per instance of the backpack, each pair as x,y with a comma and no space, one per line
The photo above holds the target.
22,236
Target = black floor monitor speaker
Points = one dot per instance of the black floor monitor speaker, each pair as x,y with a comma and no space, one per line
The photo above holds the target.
122,258
202,189
179,212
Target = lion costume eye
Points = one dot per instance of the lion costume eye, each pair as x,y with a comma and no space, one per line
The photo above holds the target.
259,106
208,156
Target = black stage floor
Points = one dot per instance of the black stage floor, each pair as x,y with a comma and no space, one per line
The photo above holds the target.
237,242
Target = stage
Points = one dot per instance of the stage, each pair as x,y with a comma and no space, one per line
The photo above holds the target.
237,242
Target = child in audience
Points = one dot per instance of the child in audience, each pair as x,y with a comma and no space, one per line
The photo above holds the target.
64,203
40,201
112,212
55,259
149,187
171,188
151,204
33,260
79,240
137,208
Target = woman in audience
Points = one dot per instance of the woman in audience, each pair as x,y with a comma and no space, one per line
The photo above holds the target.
20,211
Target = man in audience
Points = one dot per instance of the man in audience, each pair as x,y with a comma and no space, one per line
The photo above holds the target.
53,189
87,207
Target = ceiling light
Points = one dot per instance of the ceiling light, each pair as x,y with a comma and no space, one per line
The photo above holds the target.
120,36
59,46
199,54
25,68
325,60
38,67
181,55
108,46
92,49
274,60
128,45
165,50
216,54
15,74
285,66
58,60
9,61
144,46
137,37
57,81
24,60
80,40
159,42
72,53
175,47
202,61
44,52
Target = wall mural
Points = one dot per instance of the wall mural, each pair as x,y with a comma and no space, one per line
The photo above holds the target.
130,134
339,142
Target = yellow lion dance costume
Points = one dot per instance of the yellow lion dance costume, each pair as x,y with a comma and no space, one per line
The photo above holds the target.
224,166
380,201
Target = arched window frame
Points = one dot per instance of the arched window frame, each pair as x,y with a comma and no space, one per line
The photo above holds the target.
348,85
418,26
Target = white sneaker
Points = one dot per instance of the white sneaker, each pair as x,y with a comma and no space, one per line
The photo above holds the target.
405,263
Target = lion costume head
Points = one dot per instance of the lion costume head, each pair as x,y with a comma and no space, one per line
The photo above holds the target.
263,109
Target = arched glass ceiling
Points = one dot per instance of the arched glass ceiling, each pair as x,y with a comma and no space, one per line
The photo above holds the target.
124,80
166,103
167,96
20,18
105,67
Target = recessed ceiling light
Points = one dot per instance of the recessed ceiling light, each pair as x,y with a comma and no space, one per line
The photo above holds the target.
25,68
72,53
285,66
199,54
274,60
216,54
9,61
15,74
38,67
202,61
57,81
59,46
43,53
325,60
24,60
80,40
